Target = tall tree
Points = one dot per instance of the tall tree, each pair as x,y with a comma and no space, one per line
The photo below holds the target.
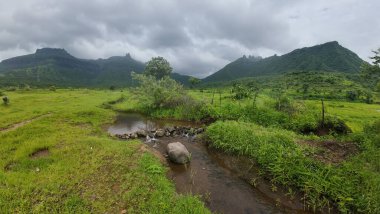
158,67
376,58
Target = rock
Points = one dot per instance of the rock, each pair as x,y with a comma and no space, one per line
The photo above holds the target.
141,133
151,135
167,133
160,132
199,130
178,153
133,136
171,129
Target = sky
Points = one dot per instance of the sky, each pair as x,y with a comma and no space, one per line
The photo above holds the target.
197,37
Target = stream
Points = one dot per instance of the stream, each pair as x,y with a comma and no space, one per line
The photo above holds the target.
220,179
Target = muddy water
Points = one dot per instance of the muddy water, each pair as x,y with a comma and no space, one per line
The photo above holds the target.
220,179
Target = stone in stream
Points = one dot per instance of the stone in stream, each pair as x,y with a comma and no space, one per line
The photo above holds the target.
160,132
178,153
133,136
170,129
141,133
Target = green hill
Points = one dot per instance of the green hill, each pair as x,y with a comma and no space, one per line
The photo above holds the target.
51,66
328,57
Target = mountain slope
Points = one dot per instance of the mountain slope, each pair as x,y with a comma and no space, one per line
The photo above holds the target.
51,66
330,57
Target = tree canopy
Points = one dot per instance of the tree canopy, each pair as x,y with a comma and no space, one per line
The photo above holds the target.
158,67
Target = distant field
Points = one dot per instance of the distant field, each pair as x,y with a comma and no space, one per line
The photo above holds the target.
356,115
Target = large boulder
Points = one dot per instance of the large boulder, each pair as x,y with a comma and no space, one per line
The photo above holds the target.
178,153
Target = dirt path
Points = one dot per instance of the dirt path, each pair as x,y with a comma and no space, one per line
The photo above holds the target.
22,123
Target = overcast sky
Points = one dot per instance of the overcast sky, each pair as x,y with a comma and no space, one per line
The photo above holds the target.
198,37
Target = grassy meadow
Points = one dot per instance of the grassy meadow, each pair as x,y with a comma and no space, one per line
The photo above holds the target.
63,161
58,157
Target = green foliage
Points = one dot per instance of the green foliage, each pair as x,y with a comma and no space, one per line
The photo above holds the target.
158,67
158,93
370,74
240,91
350,187
378,86
5,100
194,81
376,58
52,88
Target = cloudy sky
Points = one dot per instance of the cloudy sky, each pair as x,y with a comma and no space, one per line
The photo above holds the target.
198,37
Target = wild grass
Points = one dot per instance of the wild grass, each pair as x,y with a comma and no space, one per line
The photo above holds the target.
352,186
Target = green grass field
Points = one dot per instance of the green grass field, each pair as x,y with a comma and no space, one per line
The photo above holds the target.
58,157
65,162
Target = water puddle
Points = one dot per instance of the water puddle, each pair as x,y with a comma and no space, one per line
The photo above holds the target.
219,178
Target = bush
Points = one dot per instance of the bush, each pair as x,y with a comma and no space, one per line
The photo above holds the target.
11,88
336,125
158,93
5,100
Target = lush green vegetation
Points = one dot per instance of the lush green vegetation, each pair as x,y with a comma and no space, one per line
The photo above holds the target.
353,186
60,159
57,156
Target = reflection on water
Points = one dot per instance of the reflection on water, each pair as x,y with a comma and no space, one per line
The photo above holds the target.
132,122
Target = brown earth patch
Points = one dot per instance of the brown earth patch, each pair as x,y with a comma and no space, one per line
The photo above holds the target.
40,153
9,166
332,152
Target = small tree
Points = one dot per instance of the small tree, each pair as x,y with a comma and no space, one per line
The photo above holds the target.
378,86
6,100
158,67
254,89
376,58
194,81
158,93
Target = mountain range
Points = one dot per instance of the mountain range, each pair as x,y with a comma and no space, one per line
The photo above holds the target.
52,66
330,57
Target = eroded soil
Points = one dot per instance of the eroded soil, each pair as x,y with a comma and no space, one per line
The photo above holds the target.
331,152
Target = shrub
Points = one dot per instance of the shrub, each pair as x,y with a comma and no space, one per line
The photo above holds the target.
158,93
5,100
336,125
